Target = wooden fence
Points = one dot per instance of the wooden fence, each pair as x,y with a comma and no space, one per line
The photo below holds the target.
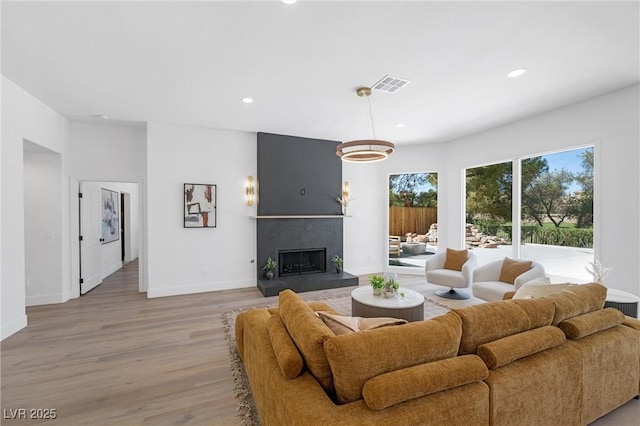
403,220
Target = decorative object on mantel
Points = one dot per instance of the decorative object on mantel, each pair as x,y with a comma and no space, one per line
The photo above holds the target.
199,205
250,190
337,261
344,200
365,150
598,271
377,284
270,266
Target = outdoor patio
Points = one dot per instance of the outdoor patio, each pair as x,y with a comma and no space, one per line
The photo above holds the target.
561,263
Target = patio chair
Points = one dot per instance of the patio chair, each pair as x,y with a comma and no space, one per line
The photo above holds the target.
395,245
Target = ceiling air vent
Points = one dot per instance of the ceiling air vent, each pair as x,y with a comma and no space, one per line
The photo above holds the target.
390,84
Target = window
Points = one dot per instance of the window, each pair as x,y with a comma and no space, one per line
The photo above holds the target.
556,205
489,196
413,218
557,211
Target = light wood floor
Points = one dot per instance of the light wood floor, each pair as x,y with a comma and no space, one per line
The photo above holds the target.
114,357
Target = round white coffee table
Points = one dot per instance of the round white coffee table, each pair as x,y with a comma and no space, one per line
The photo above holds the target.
365,304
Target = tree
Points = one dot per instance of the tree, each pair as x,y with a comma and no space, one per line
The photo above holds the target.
489,192
583,203
546,197
408,189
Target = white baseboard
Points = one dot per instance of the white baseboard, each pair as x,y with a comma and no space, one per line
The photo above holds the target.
198,288
13,326
111,269
45,299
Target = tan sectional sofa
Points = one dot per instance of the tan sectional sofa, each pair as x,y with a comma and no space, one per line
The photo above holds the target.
560,360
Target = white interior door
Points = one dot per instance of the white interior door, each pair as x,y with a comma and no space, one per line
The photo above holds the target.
90,236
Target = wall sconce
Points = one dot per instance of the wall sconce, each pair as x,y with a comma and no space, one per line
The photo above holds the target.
250,190
345,191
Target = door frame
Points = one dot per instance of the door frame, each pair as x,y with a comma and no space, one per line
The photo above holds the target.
74,221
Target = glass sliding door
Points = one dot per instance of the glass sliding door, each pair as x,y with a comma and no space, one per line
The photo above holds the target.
557,212
488,214
413,218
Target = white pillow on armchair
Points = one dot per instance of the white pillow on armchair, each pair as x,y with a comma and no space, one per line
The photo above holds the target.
540,287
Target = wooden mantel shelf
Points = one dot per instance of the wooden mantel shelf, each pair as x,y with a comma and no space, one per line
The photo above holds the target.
303,216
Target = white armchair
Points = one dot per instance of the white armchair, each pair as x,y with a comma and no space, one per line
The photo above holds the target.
487,286
436,274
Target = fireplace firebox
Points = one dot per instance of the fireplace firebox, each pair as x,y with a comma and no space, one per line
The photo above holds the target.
299,262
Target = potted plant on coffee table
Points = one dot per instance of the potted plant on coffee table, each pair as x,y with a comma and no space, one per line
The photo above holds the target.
390,288
269,267
377,284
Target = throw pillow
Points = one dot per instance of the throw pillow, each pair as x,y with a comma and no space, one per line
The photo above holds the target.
533,290
287,354
308,332
511,269
455,259
341,324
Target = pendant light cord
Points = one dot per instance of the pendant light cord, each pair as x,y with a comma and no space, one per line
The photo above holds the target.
373,128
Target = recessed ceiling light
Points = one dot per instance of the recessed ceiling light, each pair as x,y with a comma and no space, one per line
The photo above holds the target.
399,125
101,116
247,100
516,73
288,1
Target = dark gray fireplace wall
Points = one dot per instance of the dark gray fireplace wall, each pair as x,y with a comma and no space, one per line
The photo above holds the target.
291,234
298,176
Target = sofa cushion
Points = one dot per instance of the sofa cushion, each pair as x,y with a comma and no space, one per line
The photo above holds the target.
584,325
287,354
341,324
392,388
308,333
577,300
357,357
455,259
511,269
494,320
511,348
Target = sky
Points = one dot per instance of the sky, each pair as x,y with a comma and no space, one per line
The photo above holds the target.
569,160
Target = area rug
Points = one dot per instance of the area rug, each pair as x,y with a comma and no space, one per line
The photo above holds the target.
246,408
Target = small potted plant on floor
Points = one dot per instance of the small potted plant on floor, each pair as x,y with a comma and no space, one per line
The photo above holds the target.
377,284
337,261
269,267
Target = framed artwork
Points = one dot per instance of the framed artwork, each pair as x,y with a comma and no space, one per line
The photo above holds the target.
110,216
199,205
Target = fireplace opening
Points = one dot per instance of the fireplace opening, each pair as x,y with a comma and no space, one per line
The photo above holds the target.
299,262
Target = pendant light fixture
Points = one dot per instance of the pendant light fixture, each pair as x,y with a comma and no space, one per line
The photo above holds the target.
365,150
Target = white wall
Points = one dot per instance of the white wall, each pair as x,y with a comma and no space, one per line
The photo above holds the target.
364,244
195,260
43,228
24,117
365,240
116,154
609,122
107,152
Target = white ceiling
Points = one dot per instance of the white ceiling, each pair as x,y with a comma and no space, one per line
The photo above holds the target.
191,63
